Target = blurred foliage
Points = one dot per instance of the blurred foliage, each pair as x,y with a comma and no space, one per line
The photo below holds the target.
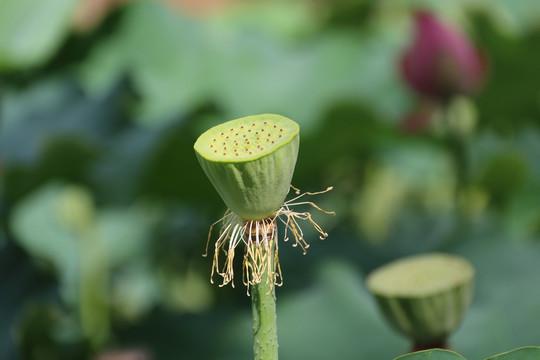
30,34
104,210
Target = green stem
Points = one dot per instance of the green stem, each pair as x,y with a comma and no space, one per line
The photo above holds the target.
457,143
419,346
263,301
93,308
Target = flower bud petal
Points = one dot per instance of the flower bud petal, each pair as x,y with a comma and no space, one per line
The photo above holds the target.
441,62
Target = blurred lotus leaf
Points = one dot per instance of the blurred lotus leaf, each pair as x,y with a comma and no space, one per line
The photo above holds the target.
177,63
494,323
31,31
43,229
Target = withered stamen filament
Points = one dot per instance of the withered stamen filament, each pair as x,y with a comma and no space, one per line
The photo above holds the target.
261,242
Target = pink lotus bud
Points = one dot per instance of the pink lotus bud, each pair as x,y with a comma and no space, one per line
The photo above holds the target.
441,62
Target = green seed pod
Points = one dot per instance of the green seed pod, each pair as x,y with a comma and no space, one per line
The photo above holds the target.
250,161
424,296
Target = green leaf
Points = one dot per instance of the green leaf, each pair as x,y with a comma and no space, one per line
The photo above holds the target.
31,31
524,353
435,354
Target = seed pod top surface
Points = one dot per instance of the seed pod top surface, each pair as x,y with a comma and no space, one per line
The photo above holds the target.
250,161
247,138
421,276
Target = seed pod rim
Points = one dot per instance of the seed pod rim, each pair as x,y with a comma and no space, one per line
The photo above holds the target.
466,276
202,140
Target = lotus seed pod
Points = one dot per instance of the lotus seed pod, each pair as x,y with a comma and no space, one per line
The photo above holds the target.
250,161
424,296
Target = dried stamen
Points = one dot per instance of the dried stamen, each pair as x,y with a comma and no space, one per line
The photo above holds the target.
261,242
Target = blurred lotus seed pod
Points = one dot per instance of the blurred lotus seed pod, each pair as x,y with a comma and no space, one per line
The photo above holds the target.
424,296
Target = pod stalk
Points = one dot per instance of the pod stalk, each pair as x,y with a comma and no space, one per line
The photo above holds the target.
263,297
